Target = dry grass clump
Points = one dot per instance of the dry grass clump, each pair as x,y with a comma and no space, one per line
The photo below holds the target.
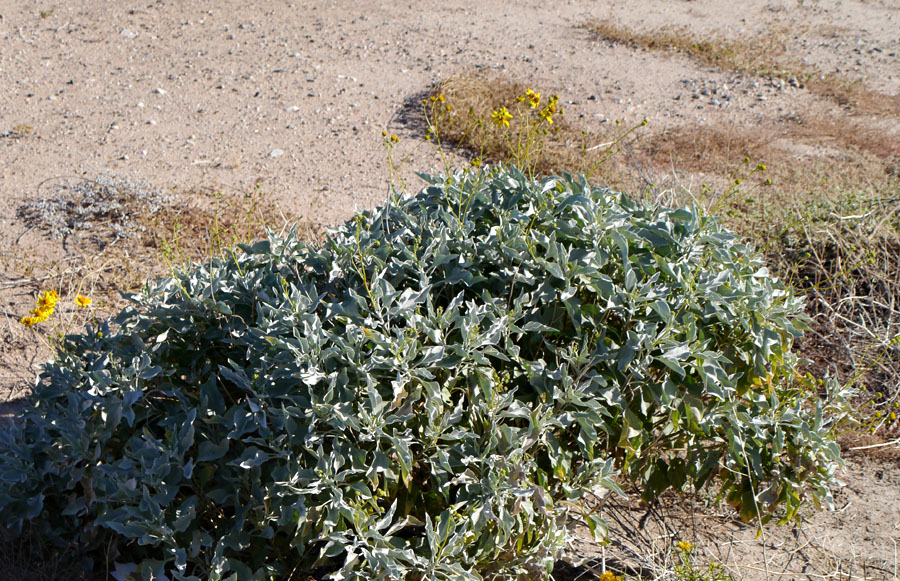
760,57
763,56
853,94
845,253
116,231
101,211
472,99
563,146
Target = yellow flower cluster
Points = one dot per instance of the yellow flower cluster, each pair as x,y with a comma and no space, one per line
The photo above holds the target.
533,98
547,112
42,311
45,306
684,546
501,117
609,576
439,98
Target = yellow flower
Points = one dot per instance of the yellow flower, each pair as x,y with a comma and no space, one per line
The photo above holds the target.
41,314
394,138
48,299
609,576
534,99
476,162
82,301
684,546
441,98
42,310
37,316
501,117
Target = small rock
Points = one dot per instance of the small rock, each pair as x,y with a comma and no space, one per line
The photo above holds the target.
129,34
715,103
292,108
159,91
276,153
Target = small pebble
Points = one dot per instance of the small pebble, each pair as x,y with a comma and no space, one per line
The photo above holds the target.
276,153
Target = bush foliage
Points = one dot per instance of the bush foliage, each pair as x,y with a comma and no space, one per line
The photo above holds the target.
426,394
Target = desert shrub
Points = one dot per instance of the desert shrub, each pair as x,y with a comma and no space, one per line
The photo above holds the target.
426,394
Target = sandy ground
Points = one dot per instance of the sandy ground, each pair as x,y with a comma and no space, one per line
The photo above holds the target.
293,97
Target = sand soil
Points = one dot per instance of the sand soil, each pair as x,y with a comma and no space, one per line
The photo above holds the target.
183,99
